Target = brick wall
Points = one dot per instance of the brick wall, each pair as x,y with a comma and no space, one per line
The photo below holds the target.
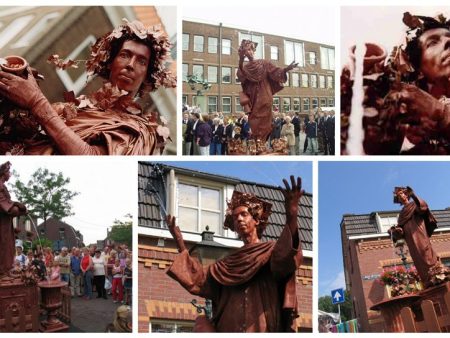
367,257
162,297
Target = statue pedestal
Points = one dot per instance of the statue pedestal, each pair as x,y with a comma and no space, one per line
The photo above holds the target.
19,307
390,310
52,301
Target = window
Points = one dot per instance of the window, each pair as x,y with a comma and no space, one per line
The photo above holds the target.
293,51
296,104
331,102
185,71
212,104
197,70
323,102
286,84
236,80
75,78
322,81
212,74
312,58
237,106
171,326
313,78
286,104
185,41
33,32
226,46
226,74
259,39
28,225
327,58
226,104
15,222
212,45
330,82
273,52
198,43
306,105
199,206
184,100
14,28
315,103
276,104
385,222
304,80
295,80
62,233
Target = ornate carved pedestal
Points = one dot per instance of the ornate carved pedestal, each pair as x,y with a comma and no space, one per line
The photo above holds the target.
52,301
390,310
19,307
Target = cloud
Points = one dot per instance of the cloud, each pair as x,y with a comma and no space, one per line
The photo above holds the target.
336,283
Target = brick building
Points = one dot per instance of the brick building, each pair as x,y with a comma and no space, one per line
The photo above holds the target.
210,52
60,233
198,200
367,249
35,33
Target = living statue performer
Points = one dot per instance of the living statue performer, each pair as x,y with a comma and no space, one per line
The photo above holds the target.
108,122
252,289
8,210
417,224
260,80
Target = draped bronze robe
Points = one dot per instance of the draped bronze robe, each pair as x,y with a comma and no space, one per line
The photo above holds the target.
418,224
260,81
252,290
7,238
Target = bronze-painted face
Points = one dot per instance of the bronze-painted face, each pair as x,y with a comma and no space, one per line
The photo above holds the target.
243,221
435,54
402,197
129,67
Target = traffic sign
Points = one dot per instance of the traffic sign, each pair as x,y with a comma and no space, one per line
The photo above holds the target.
337,296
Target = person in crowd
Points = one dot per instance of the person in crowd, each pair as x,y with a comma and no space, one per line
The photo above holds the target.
87,267
99,274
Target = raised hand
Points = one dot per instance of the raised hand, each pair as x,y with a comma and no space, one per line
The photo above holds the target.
292,195
175,232
291,66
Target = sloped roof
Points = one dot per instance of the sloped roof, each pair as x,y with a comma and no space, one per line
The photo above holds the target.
149,210
366,224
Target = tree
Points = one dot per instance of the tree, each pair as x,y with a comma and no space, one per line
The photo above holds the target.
121,231
42,241
326,304
45,195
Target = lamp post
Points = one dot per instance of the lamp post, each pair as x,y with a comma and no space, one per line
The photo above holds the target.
207,252
199,86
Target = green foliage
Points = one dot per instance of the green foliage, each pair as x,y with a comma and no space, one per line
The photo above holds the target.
326,304
45,242
45,195
122,232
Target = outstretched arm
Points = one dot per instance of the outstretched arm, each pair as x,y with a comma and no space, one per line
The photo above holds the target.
421,205
176,233
292,195
287,253
27,94
291,66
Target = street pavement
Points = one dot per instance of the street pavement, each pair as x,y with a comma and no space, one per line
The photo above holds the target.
92,315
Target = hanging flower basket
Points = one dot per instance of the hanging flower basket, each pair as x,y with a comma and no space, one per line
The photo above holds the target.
400,281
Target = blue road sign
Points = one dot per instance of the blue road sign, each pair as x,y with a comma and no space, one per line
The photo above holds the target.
337,296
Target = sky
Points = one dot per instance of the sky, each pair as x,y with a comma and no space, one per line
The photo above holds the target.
267,172
382,25
364,187
310,23
107,189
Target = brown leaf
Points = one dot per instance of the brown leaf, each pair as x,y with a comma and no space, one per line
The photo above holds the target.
60,63
411,21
